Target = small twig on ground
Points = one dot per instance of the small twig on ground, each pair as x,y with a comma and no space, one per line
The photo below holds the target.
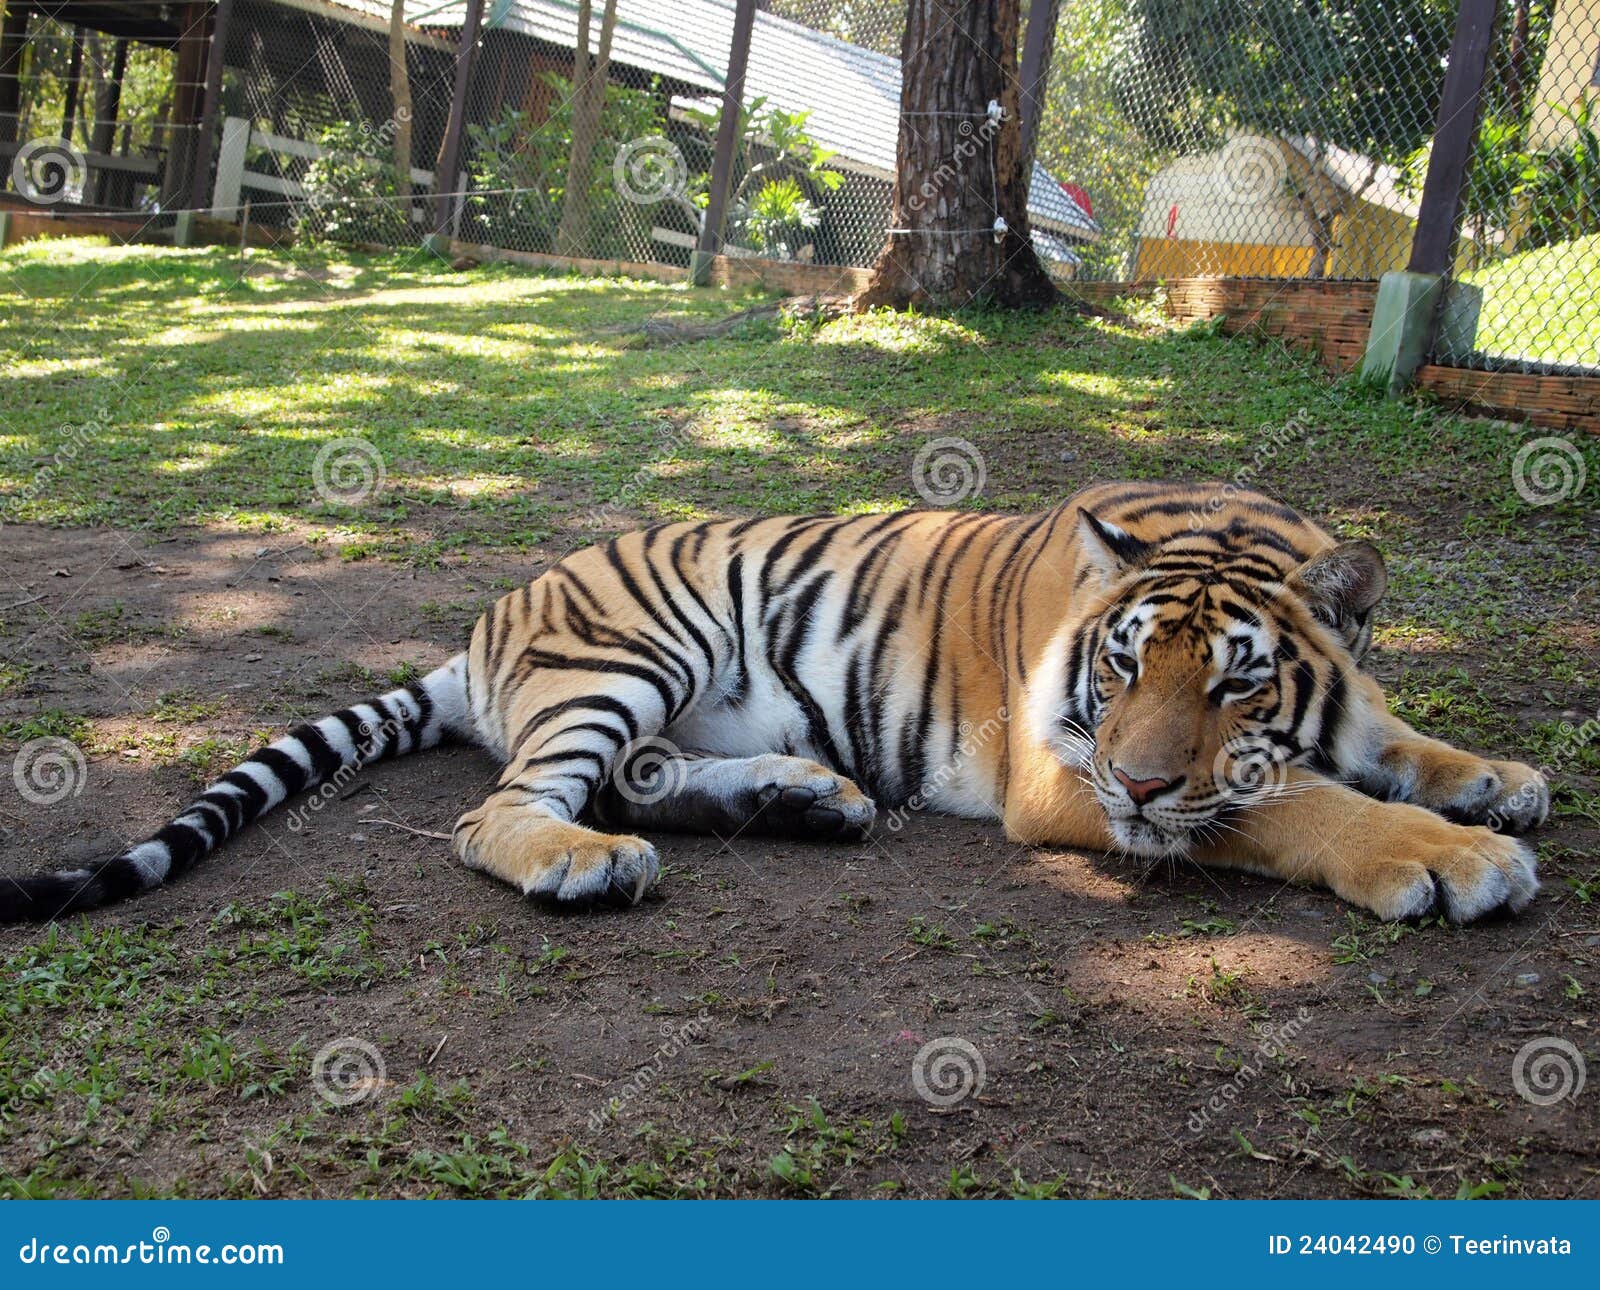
18,604
421,833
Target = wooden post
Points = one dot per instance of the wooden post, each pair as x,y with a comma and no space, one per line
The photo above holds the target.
449,164
1037,45
710,243
13,45
188,79
204,145
104,135
1433,246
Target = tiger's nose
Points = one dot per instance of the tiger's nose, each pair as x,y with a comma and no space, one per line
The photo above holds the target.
1143,791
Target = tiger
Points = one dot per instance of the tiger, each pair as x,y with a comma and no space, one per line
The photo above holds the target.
1166,672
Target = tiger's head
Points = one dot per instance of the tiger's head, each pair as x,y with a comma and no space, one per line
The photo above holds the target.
1207,664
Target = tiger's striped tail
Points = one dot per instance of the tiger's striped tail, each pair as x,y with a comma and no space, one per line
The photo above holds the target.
419,715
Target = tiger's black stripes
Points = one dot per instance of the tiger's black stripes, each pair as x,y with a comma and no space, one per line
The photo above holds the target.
418,715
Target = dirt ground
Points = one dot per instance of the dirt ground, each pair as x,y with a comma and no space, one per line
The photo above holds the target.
755,1028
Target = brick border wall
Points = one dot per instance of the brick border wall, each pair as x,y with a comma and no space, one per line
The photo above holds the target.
1332,319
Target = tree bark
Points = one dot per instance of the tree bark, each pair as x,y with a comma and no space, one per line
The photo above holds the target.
400,97
956,170
589,100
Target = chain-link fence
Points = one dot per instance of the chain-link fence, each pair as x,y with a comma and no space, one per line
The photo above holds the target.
1527,289
1267,138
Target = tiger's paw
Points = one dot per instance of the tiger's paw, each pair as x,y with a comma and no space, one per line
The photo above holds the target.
565,864
1460,872
1507,796
797,798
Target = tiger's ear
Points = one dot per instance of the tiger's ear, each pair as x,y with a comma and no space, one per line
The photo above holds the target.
1340,587
1111,550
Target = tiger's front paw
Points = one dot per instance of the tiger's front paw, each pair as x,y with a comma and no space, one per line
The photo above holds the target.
1507,796
1460,872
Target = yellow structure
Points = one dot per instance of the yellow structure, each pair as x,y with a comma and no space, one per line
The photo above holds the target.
1571,72
1250,208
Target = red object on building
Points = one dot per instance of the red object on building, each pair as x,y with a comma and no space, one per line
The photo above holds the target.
1172,220
1078,195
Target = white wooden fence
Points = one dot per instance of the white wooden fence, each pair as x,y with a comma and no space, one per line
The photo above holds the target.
235,178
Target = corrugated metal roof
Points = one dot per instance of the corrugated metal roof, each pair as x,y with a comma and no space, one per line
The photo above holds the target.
857,117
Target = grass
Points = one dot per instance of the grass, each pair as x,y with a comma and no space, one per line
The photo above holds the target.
1540,305
151,389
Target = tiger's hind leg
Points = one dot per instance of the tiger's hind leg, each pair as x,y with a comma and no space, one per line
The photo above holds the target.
772,795
527,833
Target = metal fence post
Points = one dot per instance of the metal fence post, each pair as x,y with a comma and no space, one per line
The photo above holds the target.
1037,44
710,241
1408,304
1440,208
450,150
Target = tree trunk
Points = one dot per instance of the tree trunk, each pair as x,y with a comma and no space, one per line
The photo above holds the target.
589,100
956,170
400,96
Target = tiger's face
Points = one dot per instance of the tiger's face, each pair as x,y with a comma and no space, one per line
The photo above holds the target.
1205,675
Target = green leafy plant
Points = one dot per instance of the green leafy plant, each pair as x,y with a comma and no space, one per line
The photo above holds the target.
783,172
350,193
520,167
